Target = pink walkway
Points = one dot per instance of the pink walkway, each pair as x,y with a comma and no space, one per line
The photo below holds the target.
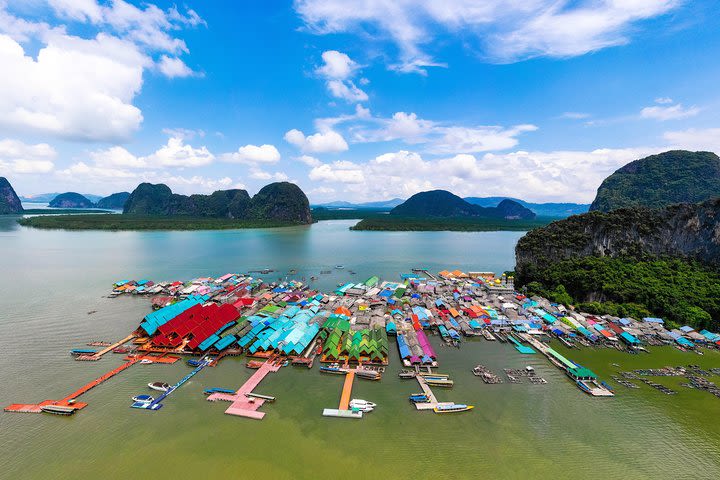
242,405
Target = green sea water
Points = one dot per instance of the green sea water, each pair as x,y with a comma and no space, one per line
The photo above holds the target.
51,280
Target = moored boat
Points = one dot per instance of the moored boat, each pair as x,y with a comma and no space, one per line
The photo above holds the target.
58,409
143,398
334,368
82,351
452,408
146,361
406,374
368,374
210,391
254,364
356,402
159,386
439,382
418,398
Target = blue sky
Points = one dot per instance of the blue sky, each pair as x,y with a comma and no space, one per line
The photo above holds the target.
352,100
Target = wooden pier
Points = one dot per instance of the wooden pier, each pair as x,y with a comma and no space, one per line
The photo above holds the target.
69,401
244,402
110,348
343,410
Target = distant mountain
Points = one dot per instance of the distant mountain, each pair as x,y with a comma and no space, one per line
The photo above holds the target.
282,201
443,204
116,201
49,197
71,200
677,176
9,201
559,210
379,204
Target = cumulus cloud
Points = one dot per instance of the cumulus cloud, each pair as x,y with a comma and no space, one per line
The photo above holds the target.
504,30
253,154
575,115
541,176
176,153
309,160
260,174
173,67
338,172
84,87
17,157
322,142
707,139
666,110
338,70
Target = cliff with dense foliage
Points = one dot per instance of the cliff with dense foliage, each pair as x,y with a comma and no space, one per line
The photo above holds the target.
71,200
657,181
9,201
630,262
116,201
282,201
443,204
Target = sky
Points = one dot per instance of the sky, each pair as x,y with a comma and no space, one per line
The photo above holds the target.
355,100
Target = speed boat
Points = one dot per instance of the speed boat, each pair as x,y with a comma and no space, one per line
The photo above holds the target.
419,398
356,402
58,409
407,374
159,386
146,361
452,408
143,398
210,391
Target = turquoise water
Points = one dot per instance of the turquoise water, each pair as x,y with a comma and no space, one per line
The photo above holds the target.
51,280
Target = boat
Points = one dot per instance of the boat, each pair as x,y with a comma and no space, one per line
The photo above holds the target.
58,409
368,374
406,374
339,267
452,408
210,391
146,361
143,398
121,350
254,364
419,398
362,405
334,368
194,362
439,382
434,375
82,351
159,386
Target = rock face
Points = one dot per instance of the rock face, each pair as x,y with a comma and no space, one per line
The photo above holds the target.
71,200
282,201
9,201
657,181
687,230
116,201
443,204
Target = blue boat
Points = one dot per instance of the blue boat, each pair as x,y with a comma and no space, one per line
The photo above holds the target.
419,398
210,391
82,351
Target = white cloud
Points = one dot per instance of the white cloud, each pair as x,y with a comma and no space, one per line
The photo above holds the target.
505,30
575,115
707,139
176,153
541,176
309,160
338,70
478,139
341,171
253,154
83,88
17,157
173,67
663,100
322,142
259,174
668,112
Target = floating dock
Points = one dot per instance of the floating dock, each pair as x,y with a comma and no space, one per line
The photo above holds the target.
343,410
520,347
427,391
69,401
244,402
155,404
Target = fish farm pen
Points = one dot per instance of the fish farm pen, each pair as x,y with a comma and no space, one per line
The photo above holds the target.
354,330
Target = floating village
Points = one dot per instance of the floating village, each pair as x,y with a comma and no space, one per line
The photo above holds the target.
354,331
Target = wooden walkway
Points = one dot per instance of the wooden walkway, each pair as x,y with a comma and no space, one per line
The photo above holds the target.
69,401
243,405
113,346
347,390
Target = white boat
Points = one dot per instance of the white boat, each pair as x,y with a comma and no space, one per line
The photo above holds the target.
143,398
58,409
159,386
146,361
358,403
452,408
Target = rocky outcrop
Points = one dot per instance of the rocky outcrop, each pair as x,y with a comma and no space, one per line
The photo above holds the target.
443,204
689,231
281,201
71,200
677,176
116,201
9,201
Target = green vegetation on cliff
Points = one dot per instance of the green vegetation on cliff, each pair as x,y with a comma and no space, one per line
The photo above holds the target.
656,181
116,201
682,291
71,200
